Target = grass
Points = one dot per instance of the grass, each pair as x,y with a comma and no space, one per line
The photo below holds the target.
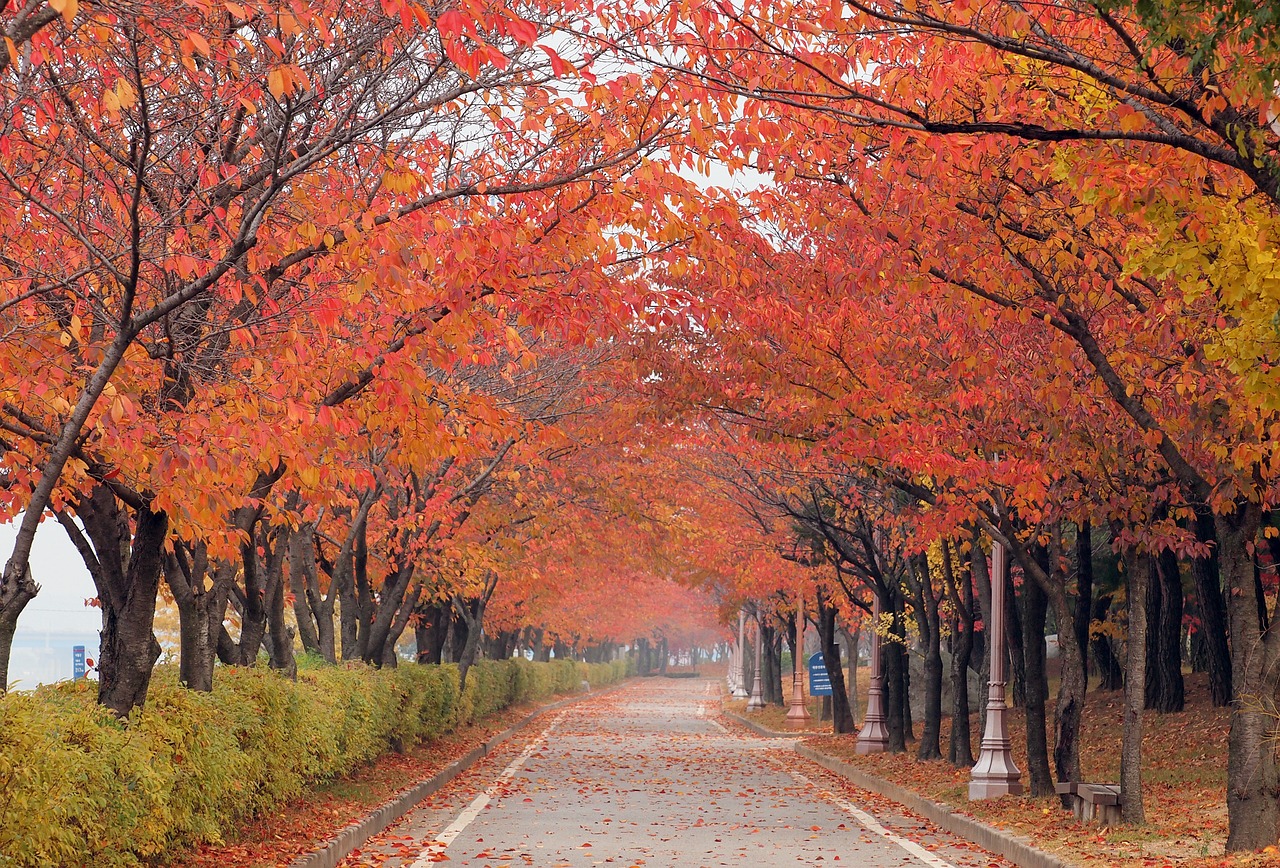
1184,775
315,817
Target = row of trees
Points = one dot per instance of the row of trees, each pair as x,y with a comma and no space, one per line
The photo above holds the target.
393,308
306,318
1013,279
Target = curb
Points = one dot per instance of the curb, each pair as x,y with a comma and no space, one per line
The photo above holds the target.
1014,848
340,845
768,733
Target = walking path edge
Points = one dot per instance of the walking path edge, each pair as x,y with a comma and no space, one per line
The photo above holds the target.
350,837
1013,847
762,731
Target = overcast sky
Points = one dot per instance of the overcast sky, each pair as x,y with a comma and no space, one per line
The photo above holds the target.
64,582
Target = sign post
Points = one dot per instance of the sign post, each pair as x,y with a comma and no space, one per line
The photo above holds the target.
819,678
77,662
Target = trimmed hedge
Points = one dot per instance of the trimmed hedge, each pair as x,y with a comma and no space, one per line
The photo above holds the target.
78,787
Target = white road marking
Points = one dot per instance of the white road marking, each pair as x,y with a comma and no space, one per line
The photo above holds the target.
873,825
454,829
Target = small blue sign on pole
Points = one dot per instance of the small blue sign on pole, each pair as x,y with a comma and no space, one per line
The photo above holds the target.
77,662
819,680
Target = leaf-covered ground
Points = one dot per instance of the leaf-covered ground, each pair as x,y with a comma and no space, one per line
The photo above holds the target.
1184,770
313,818
775,717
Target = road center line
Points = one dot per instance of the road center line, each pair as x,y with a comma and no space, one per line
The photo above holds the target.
480,802
873,825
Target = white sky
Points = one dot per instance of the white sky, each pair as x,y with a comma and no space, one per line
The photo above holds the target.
64,582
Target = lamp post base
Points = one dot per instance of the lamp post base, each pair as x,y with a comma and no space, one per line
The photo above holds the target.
798,714
994,774
872,738
993,789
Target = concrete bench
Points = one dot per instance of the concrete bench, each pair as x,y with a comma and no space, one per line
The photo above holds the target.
1093,801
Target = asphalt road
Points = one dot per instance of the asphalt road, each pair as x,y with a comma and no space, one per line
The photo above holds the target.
648,776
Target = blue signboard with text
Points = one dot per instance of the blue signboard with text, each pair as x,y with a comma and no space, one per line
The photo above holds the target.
77,662
819,680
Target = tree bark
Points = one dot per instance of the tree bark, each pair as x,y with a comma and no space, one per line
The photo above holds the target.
893,661
1013,637
303,578
1253,783
199,590
960,592
1165,691
982,581
1110,673
1034,609
429,632
930,746
471,614
1213,614
841,716
129,648
395,587
279,633
1139,568
16,590
1084,596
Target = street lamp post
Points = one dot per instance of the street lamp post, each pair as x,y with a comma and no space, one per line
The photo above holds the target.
874,737
995,774
756,702
740,659
798,713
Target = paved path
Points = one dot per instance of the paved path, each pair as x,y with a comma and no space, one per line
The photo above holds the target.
647,776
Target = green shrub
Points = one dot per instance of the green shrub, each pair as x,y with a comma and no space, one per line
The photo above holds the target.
78,787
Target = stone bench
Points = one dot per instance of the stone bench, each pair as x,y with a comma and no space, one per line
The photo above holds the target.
1093,801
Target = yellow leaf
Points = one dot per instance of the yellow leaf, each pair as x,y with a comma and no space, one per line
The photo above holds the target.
275,83
126,96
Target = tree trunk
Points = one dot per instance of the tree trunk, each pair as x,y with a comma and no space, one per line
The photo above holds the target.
1084,596
471,614
1213,615
460,633
1139,569
1110,673
16,590
982,582
1034,609
1013,637
841,716
129,648
960,591
429,632
253,616
930,747
199,590
363,596
1164,691
1253,783
893,661
395,586
853,641
279,633
302,578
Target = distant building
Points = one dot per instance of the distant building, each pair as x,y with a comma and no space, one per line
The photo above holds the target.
45,656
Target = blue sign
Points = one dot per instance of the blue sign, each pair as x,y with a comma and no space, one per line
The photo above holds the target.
77,662
819,680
